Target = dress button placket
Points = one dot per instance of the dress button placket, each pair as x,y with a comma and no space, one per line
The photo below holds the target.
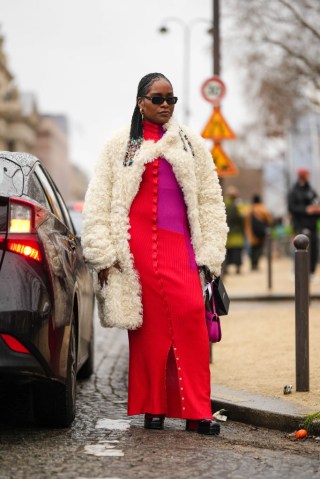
179,376
154,216
155,179
174,347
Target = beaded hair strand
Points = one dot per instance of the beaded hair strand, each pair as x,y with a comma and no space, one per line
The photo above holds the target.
136,133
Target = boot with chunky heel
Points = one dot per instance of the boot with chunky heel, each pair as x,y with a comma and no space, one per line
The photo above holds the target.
210,427
152,421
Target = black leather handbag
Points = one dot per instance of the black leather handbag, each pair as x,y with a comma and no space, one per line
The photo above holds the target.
220,295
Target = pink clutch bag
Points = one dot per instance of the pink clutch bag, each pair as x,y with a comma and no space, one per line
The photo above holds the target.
212,318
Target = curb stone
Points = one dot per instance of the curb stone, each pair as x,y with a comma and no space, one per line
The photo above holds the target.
258,417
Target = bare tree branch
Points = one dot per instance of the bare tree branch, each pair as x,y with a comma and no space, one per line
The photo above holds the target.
293,54
300,19
276,47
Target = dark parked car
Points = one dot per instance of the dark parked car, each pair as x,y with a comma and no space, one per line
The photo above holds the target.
46,291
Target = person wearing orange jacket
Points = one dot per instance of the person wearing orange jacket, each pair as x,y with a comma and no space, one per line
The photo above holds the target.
257,220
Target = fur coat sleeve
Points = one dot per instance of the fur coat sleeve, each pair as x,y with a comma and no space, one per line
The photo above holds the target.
97,241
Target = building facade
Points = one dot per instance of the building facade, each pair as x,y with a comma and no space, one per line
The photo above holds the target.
52,148
19,117
23,128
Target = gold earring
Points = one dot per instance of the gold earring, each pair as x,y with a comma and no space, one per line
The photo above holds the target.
141,112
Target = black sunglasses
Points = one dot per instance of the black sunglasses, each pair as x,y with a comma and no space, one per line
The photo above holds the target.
158,100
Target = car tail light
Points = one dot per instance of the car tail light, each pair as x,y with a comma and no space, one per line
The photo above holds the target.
14,344
25,248
21,216
22,229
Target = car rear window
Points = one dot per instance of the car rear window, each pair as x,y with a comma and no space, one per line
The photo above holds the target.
36,191
11,178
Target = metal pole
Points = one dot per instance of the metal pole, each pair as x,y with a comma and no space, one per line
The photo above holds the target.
216,37
269,257
301,243
216,52
216,71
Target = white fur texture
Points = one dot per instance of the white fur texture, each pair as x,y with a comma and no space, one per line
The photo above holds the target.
106,215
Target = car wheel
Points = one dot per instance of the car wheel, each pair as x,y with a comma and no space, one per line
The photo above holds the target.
55,403
88,367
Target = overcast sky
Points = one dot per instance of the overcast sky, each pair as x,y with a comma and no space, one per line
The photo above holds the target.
84,59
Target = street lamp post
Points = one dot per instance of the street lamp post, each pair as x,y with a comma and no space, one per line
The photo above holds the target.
186,29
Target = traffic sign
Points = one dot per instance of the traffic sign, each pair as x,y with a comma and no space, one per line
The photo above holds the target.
217,128
213,90
225,167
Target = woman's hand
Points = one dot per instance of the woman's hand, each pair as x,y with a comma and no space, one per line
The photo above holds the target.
104,273
208,275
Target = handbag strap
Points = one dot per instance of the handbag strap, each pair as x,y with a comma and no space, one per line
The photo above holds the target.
213,306
209,288
207,274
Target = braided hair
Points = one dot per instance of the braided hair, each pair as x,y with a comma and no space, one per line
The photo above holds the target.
143,87
136,133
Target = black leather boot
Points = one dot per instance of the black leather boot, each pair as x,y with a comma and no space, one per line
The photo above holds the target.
151,421
210,427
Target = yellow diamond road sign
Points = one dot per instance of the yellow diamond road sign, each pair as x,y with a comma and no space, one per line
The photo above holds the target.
217,128
225,167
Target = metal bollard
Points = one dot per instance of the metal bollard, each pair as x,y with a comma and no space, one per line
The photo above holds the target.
301,243
269,257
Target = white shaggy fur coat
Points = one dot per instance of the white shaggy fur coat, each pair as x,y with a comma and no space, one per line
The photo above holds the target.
106,215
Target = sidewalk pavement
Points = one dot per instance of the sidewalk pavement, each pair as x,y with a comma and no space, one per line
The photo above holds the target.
256,357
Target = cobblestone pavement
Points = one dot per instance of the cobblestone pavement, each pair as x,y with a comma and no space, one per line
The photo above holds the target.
103,443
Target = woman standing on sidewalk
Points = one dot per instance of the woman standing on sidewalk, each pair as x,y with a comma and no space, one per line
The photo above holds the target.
236,236
153,214
257,220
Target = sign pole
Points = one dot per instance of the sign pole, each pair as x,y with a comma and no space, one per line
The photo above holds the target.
216,37
213,90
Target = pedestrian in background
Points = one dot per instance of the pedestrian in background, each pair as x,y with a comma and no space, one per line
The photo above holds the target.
304,207
258,218
236,234
154,214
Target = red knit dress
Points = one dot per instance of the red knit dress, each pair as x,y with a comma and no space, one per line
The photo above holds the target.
169,355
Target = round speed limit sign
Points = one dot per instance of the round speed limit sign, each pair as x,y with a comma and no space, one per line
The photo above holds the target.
213,90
